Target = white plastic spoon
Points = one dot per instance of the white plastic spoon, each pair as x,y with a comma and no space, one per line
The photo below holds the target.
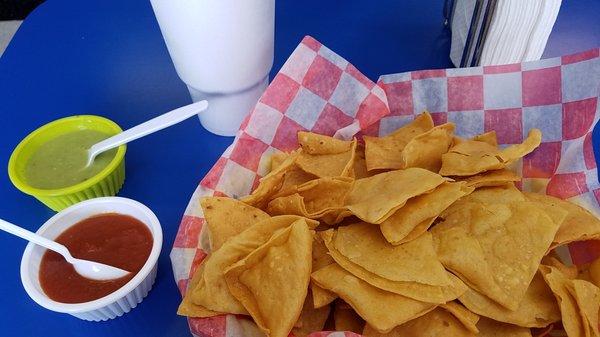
89,269
146,128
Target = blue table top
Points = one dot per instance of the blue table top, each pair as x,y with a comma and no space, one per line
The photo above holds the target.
108,58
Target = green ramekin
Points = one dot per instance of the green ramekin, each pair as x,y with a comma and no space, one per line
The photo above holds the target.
106,183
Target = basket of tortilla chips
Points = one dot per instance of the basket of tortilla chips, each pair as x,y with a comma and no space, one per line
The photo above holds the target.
457,202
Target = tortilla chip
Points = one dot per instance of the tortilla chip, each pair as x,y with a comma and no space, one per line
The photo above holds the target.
426,150
383,310
278,158
386,152
572,321
226,217
587,297
578,225
320,259
212,291
488,137
418,214
464,315
360,164
415,261
311,319
569,271
537,309
187,306
594,272
321,297
321,199
376,198
346,319
470,157
325,156
272,281
491,178
314,143
438,322
271,183
491,328
495,248
414,290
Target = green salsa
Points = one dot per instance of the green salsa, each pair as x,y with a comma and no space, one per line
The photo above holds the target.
61,162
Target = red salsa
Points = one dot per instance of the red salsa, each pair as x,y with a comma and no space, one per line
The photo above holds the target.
115,239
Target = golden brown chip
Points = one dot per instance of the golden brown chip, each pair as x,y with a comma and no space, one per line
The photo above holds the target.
346,319
320,259
226,217
325,156
491,178
414,261
594,272
537,309
488,137
212,291
311,319
495,248
386,152
470,157
278,158
376,198
587,297
578,225
272,281
187,306
553,261
415,217
438,322
491,328
271,183
321,199
414,290
426,150
360,164
383,310
464,315
321,297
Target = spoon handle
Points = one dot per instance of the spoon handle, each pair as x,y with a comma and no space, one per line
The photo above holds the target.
153,125
37,239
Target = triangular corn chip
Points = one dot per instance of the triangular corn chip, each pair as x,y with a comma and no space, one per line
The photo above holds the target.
376,198
189,308
211,291
464,315
491,328
271,183
311,319
426,150
325,156
346,319
415,217
495,248
537,309
226,217
386,152
272,281
491,178
488,137
383,310
314,143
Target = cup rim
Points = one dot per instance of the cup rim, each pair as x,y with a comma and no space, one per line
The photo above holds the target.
42,299
23,186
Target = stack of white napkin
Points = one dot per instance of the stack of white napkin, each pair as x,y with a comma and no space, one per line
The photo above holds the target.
491,32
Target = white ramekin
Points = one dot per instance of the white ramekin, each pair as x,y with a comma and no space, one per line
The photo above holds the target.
110,306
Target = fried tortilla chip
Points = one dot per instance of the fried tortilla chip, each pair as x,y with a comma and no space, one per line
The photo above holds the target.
594,272
386,152
491,328
464,315
346,319
536,310
321,199
438,322
376,198
491,178
418,214
271,183
187,307
226,217
414,290
320,259
325,156
578,225
587,297
414,261
321,297
470,157
311,319
212,291
426,150
278,158
573,320
495,248
382,310
360,164
272,281
488,137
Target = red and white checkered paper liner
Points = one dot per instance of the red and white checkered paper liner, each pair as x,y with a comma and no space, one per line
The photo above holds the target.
318,90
